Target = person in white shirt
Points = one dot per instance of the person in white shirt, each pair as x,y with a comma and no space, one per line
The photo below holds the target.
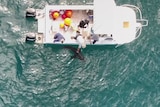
80,40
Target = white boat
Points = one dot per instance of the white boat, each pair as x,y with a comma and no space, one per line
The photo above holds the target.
112,24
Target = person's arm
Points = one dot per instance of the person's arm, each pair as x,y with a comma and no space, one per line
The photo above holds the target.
55,36
56,40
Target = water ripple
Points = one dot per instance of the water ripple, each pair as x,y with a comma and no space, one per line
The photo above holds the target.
44,76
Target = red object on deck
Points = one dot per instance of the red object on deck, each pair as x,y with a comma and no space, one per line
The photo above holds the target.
68,13
63,16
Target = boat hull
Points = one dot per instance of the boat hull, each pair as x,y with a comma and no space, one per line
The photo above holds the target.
111,24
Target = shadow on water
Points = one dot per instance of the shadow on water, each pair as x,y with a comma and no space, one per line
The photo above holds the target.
90,49
71,50
30,19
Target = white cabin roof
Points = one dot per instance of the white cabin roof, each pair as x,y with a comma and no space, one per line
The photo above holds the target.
116,20
103,14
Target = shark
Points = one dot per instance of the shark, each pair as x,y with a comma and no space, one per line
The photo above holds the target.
78,55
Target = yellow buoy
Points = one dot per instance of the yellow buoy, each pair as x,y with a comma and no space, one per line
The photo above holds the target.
67,21
61,25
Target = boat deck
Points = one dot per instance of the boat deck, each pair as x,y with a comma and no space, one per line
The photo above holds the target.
68,32
115,25
48,27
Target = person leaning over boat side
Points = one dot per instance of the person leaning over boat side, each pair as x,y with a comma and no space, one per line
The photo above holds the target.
80,40
94,37
59,38
83,27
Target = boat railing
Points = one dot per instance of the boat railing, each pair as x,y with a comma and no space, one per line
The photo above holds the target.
138,32
140,21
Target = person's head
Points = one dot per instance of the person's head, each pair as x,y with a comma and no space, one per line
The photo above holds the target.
86,21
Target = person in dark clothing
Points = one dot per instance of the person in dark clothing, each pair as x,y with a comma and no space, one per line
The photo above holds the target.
59,38
95,38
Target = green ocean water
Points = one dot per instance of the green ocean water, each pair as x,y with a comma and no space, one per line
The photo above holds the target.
33,75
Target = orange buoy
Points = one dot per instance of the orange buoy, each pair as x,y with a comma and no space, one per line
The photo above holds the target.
67,21
68,13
